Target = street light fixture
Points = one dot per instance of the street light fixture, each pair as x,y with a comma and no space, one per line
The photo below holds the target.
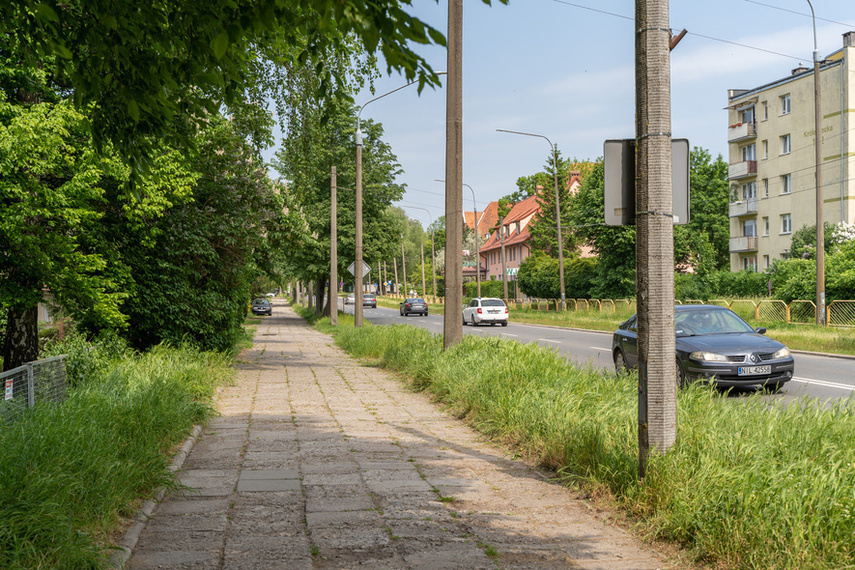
557,208
820,221
357,293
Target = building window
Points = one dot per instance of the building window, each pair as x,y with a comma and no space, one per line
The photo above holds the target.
765,262
748,115
749,263
765,225
786,224
765,187
785,104
765,106
765,150
786,184
749,191
785,144
749,152
749,228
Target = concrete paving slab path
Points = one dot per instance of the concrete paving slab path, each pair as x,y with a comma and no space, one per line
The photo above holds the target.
318,462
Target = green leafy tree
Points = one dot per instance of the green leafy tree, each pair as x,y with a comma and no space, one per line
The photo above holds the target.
803,243
147,67
613,245
51,183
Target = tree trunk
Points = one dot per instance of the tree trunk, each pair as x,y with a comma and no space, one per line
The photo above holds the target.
320,297
22,337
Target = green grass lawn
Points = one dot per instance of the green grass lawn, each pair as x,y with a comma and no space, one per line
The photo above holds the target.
748,484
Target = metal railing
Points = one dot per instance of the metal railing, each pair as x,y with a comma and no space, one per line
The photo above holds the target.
31,383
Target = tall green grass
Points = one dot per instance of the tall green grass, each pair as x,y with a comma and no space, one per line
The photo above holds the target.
70,472
748,484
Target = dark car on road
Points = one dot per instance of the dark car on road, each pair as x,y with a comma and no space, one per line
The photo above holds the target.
714,344
261,306
369,300
414,305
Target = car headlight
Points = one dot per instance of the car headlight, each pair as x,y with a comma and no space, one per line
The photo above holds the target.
708,356
782,353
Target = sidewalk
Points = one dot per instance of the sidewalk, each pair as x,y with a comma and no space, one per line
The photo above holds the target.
317,462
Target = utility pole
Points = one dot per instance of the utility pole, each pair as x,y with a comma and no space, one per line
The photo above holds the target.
657,390
424,288
397,283
504,260
820,217
452,329
333,302
357,265
403,266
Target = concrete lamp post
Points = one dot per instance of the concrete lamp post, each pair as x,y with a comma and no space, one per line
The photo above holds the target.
557,208
357,293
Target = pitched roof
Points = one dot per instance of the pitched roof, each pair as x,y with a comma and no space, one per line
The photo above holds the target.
520,211
487,218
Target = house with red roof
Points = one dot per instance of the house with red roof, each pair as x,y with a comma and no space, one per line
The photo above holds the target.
483,221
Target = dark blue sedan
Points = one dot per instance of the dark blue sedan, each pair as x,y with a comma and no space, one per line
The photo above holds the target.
714,344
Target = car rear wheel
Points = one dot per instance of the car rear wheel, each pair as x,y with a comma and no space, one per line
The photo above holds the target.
504,323
620,361
473,320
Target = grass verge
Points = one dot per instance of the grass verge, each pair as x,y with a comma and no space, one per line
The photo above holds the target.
71,472
747,484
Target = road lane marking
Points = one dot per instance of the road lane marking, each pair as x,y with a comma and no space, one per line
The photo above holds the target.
549,340
824,383
508,334
599,348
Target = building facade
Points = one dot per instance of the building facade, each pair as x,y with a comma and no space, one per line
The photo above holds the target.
772,159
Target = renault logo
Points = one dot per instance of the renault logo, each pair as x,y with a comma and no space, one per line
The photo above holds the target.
754,358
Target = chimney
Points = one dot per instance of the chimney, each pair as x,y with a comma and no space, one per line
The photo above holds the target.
849,39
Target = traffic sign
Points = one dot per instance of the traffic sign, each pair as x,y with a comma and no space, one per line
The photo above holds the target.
365,269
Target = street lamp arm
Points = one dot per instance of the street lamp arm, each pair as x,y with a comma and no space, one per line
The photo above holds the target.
359,113
527,134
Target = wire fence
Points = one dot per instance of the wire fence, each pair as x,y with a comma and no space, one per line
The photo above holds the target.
37,381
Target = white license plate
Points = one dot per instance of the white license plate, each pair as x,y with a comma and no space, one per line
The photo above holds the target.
493,312
754,370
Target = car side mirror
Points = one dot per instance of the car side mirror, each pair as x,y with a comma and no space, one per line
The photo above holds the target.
761,330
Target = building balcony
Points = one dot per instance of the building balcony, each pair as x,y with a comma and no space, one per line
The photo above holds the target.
742,169
742,208
743,243
741,131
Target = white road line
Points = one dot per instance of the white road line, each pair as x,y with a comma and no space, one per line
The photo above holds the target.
824,383
509,334
600,348
549,340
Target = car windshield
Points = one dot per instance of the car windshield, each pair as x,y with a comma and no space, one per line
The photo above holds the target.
260,302
691,323
492,303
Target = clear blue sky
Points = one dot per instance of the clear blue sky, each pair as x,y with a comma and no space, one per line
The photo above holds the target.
565,69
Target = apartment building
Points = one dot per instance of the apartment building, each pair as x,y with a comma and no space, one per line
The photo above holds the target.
772,159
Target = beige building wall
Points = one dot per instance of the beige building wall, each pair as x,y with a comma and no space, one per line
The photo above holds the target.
772,158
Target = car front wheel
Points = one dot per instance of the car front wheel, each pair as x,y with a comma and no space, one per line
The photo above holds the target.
681,376
620,361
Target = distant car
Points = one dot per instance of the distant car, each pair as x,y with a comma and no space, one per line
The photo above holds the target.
485,310
261,306
369,300
714,344
350,299
414,306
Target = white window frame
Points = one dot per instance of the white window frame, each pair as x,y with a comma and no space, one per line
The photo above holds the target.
765,110
765,262
786,106
765,187
786,224
787,184
786,144
766,226
749,152
765,149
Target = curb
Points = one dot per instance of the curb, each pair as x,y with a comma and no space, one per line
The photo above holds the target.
125,548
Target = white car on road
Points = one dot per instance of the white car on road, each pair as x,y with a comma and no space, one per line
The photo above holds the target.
485,310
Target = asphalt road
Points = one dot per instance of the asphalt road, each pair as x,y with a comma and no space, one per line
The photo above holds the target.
826,378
